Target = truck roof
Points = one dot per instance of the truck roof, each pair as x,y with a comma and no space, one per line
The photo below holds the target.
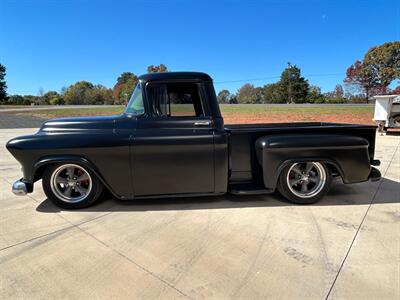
175,76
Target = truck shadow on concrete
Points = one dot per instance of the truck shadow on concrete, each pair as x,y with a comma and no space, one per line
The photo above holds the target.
340,194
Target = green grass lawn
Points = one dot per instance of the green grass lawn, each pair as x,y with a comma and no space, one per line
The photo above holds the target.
67,112
256,109
293,108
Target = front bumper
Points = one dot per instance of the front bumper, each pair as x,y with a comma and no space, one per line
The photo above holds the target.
20,188
375,174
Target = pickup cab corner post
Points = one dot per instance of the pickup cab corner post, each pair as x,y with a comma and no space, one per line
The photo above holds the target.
171,141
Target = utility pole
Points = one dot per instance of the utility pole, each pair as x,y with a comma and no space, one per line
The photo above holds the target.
290,85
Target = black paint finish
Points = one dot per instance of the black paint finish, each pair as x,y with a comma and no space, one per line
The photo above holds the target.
149,156
348,154
172,156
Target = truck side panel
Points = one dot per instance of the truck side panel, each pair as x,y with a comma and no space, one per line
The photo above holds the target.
243,161
348,154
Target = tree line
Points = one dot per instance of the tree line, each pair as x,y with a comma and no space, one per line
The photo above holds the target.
81,92
364,78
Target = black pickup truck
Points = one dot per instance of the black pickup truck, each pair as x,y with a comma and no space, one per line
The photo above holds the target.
171,141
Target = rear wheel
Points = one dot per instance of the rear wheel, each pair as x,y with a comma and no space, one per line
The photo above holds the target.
71,185
396,121
304,182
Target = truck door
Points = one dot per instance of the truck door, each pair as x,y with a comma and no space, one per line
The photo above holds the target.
173,146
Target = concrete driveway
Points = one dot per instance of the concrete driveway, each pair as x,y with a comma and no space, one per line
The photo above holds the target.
346,246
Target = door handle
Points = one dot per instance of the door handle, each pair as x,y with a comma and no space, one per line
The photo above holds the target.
202,123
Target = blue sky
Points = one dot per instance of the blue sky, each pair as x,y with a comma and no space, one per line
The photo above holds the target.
49,44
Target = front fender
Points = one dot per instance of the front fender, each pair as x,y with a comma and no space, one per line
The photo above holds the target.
38,167
348,154
106,153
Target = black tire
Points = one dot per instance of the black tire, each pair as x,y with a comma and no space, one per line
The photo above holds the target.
53,193
396,121
317,192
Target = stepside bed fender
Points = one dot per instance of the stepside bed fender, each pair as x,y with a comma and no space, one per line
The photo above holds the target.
39,166
348,154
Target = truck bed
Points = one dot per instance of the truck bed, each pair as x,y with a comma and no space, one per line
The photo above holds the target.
243,163
265,126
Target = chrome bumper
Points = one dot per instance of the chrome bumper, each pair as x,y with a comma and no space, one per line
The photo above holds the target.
19,188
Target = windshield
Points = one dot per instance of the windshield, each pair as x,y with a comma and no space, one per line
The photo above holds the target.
135,105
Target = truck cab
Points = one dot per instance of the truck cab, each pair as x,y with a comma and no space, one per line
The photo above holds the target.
179,136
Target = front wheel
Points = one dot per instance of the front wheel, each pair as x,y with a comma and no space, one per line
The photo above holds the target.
71,186
304,182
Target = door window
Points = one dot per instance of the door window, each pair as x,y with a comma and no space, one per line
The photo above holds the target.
175,99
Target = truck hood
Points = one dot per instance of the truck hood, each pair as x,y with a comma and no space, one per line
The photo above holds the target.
97,123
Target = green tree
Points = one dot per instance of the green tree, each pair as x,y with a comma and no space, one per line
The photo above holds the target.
383,63
99,94
233,99
31,99
123,89
154,69
17,100
314,95
52,98
271,93
77,93
249,94
336,96
224,97
3,85
293,87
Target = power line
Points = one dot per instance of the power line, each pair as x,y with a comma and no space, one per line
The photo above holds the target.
276,77
246,80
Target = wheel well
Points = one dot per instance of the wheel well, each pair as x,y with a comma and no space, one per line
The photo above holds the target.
40,171
333,169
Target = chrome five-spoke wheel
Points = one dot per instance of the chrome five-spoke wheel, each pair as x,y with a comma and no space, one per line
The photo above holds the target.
71,185
304,182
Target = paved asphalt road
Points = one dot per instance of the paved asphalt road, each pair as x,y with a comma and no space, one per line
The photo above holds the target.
45,107
19,121
253,247
8,120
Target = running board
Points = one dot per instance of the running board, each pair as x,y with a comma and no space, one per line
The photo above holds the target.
243,189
